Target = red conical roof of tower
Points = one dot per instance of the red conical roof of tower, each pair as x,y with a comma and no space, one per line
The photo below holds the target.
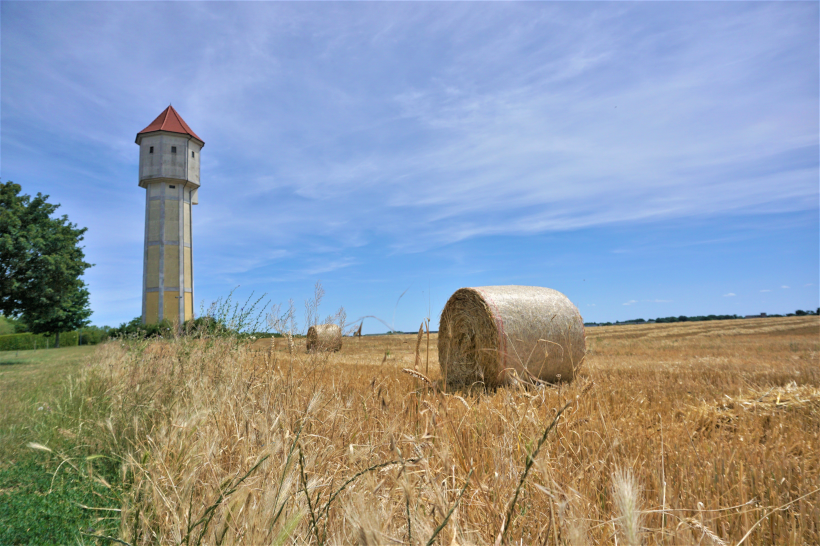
170,120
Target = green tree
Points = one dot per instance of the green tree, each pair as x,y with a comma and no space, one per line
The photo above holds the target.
41,263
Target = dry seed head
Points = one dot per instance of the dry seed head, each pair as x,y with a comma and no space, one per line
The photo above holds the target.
429,407
463,401
626,494
572,519
417,375
705,531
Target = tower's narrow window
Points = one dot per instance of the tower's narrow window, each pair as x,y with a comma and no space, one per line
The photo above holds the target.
193,154
150,149
173,149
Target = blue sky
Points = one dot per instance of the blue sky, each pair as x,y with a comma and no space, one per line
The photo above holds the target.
646,159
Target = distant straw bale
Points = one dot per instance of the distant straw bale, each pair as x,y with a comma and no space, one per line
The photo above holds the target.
324,337
497,334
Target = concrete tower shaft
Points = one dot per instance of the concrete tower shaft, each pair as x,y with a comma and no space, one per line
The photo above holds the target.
169,172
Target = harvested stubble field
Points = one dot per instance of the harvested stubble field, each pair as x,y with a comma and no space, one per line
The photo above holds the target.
698,433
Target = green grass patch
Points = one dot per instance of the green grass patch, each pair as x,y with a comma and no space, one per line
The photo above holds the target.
32,384
43,493
45,502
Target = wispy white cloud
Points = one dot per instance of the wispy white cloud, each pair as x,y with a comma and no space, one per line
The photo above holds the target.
784,286
474,135
729,295
658,301
765,290
631,302
327,267
240,259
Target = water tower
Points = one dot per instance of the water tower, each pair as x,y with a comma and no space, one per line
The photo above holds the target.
169,172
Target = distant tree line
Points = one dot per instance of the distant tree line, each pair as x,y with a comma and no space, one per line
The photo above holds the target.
699,318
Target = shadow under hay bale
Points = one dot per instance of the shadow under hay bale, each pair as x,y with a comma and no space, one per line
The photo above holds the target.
324,337
497,335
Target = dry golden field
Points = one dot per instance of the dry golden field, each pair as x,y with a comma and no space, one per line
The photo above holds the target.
688,433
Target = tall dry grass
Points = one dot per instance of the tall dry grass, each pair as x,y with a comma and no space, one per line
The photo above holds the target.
690,434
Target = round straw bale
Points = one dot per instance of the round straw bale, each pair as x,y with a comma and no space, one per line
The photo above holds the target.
495,334
324,337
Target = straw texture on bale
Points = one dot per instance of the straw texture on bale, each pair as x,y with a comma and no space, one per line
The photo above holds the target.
324,337
497,334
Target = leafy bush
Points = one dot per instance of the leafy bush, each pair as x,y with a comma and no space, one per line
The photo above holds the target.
135,328
22,342
6,327
92,335
9,325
